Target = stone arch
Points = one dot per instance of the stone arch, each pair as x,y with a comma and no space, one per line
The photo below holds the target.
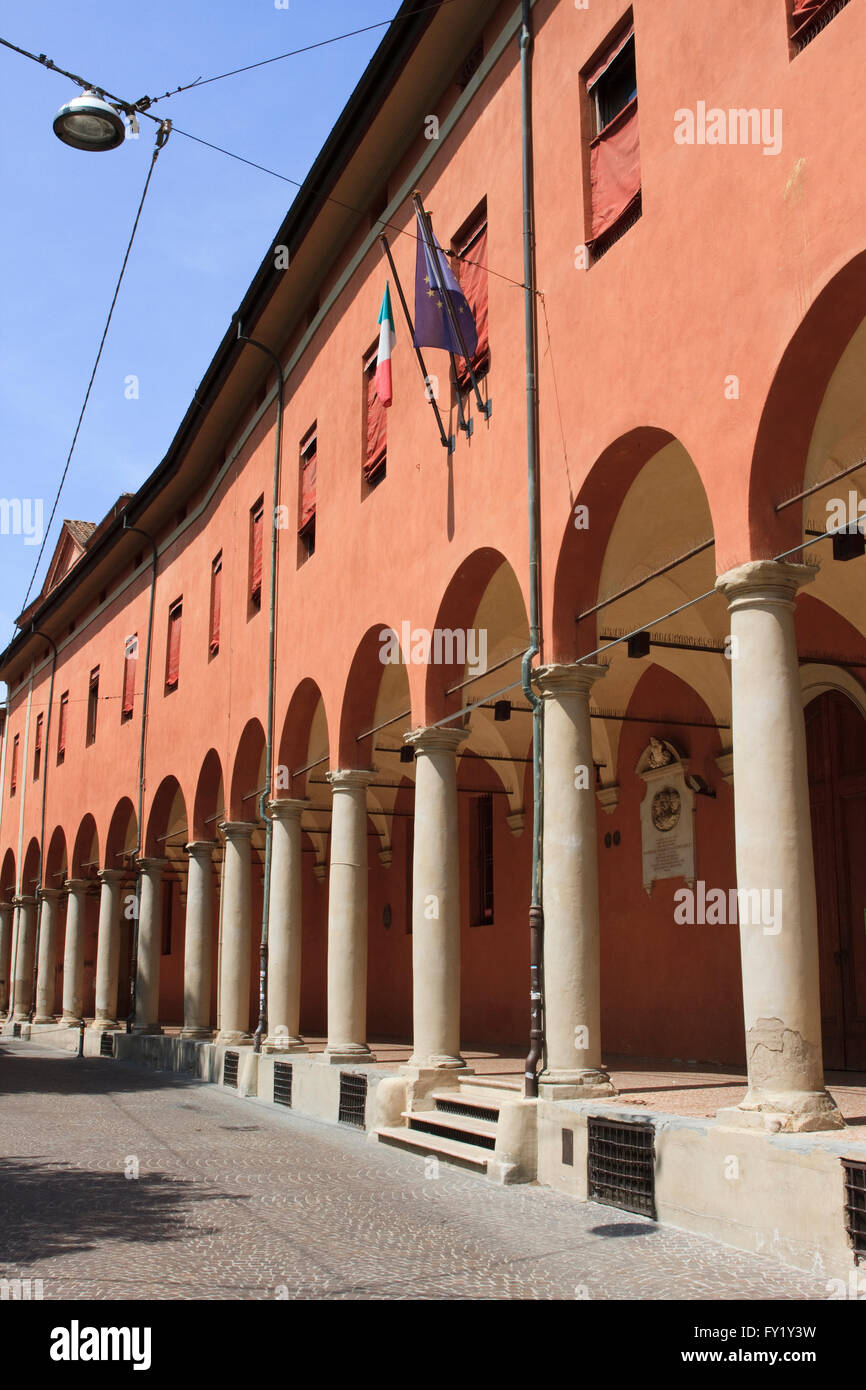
8,883
122,838
304,756
209,801
248,773
56,866
85,851
167,824
31,868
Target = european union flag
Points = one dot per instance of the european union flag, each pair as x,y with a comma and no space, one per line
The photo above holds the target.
436,287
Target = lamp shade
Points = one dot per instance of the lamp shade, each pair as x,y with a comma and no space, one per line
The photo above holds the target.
87,122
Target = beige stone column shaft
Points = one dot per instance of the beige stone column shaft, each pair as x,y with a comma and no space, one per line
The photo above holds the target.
285,927
73,952
108,948
235,958
347,919
778,920
149,946
198,938
572,938
6,911
47,963
22,993
436,901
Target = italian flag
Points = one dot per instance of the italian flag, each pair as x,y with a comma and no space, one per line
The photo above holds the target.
387,339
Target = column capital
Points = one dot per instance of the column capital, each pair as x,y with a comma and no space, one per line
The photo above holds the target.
764,583
573,679
349,779
287,807
200,849
25,900
51,894
7,906
152,865
111,876
76,885
237,829
435,739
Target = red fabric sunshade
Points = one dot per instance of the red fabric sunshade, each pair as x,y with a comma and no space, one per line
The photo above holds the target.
472,274
129,678
257,516
600,67
61,727
804,12
377,423
172,672
13,782
614,170
216,605
308,485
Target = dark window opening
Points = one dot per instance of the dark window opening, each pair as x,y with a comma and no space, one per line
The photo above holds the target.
481,850
614,152
172,655
37,751
809,17
375,424
13,779
410,871
257,514
216,586
469,250
92,705
307,470
61,726
130,662
167,897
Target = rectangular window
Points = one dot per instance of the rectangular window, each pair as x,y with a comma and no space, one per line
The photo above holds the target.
167,896
172,654
614,152
257,514
216,589
410,870
307,496
13,780
809,17
375,423
92,705
481,850
470,249
61,726
130,662
37,750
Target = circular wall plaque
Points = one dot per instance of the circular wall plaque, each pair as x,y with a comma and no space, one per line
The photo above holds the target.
666,807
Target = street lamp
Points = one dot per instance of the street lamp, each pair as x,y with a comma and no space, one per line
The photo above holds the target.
87,122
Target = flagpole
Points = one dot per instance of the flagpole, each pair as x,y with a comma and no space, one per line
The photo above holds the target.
463,423
485,407
447,443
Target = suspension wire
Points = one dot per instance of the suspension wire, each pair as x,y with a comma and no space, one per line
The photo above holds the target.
162,136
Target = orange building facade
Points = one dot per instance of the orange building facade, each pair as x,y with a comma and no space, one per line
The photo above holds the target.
701,340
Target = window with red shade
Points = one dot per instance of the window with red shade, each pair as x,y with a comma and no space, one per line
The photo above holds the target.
130,663
257,514
172,657
809,17
614,152
61,726
307,496
92,705
13,779
216,589
375,423
470,250
37,749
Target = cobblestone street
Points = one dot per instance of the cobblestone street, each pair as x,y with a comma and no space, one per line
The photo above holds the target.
235,1200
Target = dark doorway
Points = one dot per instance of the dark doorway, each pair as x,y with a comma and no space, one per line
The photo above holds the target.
836,746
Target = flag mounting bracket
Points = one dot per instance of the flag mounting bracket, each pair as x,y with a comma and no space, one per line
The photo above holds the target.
447,441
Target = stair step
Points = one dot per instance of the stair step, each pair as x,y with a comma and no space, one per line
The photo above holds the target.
471,1107
483,1131
450,1149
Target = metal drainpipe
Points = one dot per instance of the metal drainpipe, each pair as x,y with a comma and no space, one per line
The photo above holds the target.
536,910
261,1026
45,745
144,704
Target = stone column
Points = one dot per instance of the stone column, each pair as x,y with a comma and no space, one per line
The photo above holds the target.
572,944
47,963
108,949
284,928
436,901
198,936
5,954
149,946
778,920
22,991
347,919
235,955
73,953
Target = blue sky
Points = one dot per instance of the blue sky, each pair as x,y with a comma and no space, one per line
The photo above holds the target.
207,223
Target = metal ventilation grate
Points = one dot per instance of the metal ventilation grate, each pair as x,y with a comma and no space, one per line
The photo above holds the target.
855,1205
463,1136
283,1083
473,1110
568,1147
106,1045
621,1165
353,1098
230,1069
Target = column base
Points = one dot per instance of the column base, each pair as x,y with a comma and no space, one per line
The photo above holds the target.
71,1021
785,1112
21,1016
439,1061
284,1043
350,1053
197,1034
44,1018
101,1025
146,1030
233,1039
589,1083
